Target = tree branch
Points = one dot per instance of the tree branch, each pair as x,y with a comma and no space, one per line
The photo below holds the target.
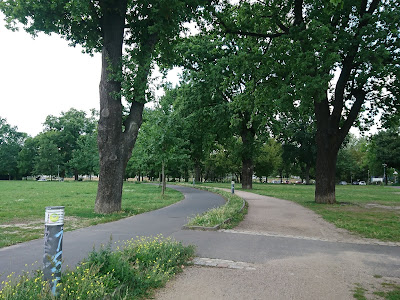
249,33
298,12
359,94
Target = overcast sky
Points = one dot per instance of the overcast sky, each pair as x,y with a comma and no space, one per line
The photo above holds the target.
44,76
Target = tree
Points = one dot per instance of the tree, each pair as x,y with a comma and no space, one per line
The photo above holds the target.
48,156
358,40
384,149
26,157
69,131
142,27
168,146
268,159
296,131
352,162
204,118
85,157
228,72
11,142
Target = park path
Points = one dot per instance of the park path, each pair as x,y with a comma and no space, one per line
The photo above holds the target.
77,244
299,256
253,261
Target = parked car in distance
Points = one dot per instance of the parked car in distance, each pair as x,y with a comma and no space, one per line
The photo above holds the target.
362,183
356,183
342,183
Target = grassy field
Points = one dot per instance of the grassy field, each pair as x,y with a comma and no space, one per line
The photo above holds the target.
371,211
22,205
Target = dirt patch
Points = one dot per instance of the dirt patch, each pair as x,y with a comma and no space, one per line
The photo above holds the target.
374,205
69,221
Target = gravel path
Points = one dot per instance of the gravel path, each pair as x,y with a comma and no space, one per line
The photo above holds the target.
319,275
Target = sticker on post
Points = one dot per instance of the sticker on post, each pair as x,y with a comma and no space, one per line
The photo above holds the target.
54,215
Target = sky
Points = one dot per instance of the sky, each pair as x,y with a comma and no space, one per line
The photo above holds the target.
44,76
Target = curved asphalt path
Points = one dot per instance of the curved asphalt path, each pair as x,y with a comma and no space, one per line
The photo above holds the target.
77,244
385,260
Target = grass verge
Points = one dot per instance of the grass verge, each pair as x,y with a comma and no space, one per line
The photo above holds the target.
22,206
370,211
131,272
226,216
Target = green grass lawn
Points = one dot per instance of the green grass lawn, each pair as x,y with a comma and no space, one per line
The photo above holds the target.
353,211
22,205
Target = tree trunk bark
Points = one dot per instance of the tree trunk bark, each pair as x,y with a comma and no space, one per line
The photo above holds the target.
247,157
164,184
114,140
197,172
328,139
247,174
112,156
325,176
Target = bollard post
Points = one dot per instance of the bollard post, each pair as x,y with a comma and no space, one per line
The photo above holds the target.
233,187
53,238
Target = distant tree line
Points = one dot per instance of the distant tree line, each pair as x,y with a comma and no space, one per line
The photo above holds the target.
179,136
66,147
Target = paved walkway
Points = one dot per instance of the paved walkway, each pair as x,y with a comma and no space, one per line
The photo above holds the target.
280,251
77,244
324,263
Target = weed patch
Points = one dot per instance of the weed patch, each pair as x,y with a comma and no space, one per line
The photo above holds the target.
130,272
227,215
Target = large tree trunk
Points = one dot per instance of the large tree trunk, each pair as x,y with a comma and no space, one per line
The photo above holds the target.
325,175
247,135
197,172
112,160
116,139
164,184
247,174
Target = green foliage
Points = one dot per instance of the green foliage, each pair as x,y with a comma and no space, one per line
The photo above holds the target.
48,155
269,159
385,147
75,135
11,142
85,158
26,157
160,141
352,161
127,273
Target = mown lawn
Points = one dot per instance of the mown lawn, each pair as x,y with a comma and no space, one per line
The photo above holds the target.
22,205
356,210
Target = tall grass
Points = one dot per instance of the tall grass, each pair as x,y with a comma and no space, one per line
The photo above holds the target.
227,215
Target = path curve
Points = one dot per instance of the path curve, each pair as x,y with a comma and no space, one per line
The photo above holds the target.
78,243
269,215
